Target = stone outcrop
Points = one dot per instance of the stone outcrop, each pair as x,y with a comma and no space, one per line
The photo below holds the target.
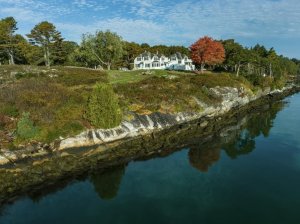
145,124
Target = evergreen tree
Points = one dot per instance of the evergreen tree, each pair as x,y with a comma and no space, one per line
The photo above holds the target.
48,38
103,110
8,40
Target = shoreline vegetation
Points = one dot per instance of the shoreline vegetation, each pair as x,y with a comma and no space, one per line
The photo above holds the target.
57,95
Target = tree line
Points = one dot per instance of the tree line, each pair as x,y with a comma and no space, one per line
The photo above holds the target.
44,45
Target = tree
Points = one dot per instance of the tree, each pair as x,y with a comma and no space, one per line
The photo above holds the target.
104,47
207,51
272,58
103,110
235,55
131,50
145,46
33,54
25,127
8,27
169,50
46,36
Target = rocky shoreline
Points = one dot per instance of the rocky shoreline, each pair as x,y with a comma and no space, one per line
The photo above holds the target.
38,165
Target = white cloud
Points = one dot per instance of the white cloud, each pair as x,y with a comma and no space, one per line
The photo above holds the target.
22,14
164,21
132,30
92,5
246,18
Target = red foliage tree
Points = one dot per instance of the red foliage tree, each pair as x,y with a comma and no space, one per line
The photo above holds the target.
207,51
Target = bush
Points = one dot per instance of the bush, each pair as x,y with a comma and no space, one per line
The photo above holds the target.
103,110
9,110
25,127
279,82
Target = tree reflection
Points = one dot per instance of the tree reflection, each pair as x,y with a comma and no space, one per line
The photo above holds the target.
240,141
107,184
202,159
242,145
262,123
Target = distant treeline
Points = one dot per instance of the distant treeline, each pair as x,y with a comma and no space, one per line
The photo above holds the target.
44,45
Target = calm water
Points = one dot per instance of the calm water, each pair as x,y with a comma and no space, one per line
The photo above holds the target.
252,177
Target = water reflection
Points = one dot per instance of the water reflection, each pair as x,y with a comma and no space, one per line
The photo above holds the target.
235,141
258,124
107,183
202,159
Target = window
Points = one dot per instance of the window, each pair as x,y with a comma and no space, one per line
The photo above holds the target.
156,58
147,65
173,59
155,64
138,59
146,58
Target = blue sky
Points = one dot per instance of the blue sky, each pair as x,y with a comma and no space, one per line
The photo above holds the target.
273,23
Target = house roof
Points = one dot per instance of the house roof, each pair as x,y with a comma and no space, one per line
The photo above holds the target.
151,55
179,55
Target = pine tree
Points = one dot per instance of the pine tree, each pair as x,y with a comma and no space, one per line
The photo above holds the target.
46,36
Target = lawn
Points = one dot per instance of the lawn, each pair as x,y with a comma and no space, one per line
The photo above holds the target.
123,77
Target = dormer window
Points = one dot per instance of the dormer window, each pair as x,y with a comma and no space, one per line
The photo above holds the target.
173,58
155,58
146,58
139,59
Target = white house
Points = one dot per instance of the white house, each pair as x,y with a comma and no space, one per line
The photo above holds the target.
176,61
180,61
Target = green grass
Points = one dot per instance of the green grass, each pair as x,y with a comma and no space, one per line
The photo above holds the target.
123,77
68,76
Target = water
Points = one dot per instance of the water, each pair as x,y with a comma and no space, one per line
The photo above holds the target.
250,176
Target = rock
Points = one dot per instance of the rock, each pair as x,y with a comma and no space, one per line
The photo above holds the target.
64,154
11,156
3,160
204,124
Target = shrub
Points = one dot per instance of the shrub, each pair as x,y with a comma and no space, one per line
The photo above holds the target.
279,82
9,110
103,110
25,127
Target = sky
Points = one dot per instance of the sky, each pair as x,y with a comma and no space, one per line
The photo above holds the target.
273,23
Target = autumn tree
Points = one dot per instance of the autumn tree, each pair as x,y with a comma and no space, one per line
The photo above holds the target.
207,51
46,36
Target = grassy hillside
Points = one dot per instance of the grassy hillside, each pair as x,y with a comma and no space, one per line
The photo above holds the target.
56,99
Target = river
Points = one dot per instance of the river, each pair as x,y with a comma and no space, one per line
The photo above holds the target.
251,175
